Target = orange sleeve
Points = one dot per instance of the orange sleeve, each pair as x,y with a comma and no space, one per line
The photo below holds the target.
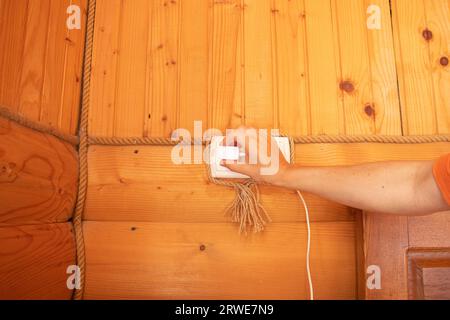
441,173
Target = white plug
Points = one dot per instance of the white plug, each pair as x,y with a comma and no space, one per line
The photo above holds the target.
218,152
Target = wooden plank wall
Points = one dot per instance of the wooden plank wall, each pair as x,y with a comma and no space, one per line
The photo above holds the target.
258,62
41,61
304,66
40,78
156,230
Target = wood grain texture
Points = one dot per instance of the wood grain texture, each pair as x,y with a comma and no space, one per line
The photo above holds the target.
327,114
142,184
385,102
34,260
307,67
225,70
260,109
104,67
131,70
438,21
163,86
357,153
13,17
414,67
41,61
436,283
38,177
386,239
430,231
72,79
193,261
354,65
291,67
195,30
304,66
428,273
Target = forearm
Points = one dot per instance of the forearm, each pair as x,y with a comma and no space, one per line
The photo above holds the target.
389,187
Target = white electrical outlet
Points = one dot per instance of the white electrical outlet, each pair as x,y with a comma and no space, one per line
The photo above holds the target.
218,152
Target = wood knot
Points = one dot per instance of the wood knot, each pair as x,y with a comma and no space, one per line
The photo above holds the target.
8,172
427,34
444,61
347,86
369,110
202,247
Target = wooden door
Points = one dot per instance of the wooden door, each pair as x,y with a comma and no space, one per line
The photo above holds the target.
413,255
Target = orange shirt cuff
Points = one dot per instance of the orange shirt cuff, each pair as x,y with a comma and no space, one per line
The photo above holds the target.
441,171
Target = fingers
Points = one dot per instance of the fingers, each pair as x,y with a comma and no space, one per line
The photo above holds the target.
232,165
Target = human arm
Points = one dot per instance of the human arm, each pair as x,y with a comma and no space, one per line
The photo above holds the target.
401,187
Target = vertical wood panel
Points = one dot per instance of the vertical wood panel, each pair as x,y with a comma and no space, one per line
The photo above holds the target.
193,60
54,63
387,241
291,67
163,85
386,103
41,61
225,71
355,66
71,93
239,85
259,101
13,23
104,67
324,75
413,63
34,55
438,21
131,76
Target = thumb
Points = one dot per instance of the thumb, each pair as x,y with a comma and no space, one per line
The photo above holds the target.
232,165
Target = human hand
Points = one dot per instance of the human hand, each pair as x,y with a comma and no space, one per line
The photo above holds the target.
264,161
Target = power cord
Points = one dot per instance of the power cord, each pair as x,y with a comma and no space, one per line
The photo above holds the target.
308,247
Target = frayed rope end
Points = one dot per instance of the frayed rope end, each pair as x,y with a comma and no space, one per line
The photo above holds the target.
246,209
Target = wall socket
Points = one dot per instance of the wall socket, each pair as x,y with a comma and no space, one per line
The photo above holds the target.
218,152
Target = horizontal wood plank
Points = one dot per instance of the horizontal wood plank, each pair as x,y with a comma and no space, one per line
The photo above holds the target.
38,176
34,260
356,153
211,261
143,184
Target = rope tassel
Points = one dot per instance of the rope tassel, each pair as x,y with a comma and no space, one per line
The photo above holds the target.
246,209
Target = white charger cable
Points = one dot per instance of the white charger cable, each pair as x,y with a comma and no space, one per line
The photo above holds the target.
308,247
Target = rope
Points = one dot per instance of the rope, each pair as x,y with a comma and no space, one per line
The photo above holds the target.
319,139
83,150
40,127
371,139
152,141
